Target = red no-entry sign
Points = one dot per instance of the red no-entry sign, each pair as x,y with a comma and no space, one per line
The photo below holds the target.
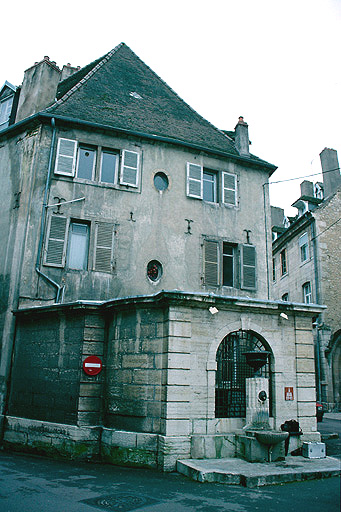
92,365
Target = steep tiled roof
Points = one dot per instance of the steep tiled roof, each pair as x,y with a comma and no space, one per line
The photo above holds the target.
120,91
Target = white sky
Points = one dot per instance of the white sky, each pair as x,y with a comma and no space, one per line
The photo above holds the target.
275,62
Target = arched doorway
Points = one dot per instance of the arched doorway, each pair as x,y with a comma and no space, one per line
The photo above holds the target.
232,371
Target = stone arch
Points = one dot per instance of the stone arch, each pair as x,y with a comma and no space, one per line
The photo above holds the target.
232,371
334,357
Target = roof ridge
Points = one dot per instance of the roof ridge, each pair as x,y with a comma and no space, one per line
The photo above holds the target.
81,82
182,100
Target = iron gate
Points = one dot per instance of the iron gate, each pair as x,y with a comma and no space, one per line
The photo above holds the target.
232,370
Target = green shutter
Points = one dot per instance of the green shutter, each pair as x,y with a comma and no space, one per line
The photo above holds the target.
56,241
211,263
66,157
194,180
104,247
248,267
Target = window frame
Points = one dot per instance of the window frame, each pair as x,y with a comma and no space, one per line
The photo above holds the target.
6,104
111,152
86,147
309,294
73,157
124,152
221,187
284,262
69,244
215,180
303,244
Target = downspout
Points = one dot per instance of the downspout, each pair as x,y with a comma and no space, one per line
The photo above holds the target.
317,296
266,243
59,288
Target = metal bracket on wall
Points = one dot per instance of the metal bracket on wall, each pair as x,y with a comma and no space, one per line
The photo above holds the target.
188,232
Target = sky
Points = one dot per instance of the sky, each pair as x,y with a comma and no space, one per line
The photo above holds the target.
274,62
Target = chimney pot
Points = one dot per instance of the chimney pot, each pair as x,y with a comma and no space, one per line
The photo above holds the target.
46,57
68,64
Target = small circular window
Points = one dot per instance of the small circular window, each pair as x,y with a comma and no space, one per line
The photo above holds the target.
154,270
161,181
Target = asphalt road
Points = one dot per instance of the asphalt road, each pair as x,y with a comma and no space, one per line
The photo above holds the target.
32,484
333,445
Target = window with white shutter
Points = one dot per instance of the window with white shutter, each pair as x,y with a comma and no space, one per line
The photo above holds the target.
211,263
66,157
129,168
229,191
194,180
55,247
103,260
248,267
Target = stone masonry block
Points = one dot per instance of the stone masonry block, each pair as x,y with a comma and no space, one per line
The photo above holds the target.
305,365
175,427
119,438
305,351
306,380
89,404
306,409
178,393
179,377
147,441
93,348
306,394
179,345
90,389
182,361
93,334
144,376
137,361
175,410
180,329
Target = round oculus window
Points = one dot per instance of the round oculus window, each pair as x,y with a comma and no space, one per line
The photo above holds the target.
161,181
154,270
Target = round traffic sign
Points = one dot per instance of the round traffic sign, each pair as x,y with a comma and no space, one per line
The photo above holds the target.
92,365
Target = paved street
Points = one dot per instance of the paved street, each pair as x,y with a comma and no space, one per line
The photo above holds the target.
32,484
331,424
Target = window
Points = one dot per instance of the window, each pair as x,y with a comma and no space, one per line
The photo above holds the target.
285,297
161,181
5,111
273,269
222,261
109,167
307,296
78,246
211,186
77,159
283,257
304,249
67,244
86,163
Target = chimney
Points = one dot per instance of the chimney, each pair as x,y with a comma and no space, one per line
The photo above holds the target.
242,137
307,188
38,89
330,171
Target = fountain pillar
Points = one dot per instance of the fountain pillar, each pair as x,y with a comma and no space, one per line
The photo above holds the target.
257,402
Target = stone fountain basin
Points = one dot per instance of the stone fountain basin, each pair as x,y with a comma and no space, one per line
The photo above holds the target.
270,437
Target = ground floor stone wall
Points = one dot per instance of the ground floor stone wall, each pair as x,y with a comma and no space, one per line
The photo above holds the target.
154,401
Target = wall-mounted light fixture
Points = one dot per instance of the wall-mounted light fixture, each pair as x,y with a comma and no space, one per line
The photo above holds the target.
283,315
213,310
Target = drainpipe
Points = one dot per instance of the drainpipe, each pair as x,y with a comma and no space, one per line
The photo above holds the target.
59,288
266,242
317,296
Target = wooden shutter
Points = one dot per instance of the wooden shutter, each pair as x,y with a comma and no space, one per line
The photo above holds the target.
129,168
211,263
229,189
66,157
248,267
56,241
104,247
194,180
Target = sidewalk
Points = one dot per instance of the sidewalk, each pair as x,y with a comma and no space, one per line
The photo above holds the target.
332,415
235,471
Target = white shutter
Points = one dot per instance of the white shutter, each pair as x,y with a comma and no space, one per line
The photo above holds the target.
66,157
229,189
129,168
211,263
55,247
248,267
104,247
194,180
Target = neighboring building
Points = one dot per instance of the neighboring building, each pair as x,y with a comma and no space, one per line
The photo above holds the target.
136,231
306,268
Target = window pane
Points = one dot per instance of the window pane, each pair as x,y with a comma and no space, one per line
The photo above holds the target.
108,168
209,187
86,159
227,265
78,246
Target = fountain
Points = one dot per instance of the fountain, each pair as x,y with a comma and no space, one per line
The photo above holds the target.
259,443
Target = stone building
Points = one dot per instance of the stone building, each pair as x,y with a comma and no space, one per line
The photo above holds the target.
306,267
135,231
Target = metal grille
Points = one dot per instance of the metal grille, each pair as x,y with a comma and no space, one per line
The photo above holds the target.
232,370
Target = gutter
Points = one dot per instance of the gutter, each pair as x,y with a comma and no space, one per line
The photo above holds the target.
148,136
